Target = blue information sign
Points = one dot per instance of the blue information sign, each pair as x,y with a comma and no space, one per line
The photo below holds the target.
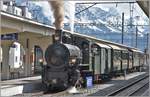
13,36
89,81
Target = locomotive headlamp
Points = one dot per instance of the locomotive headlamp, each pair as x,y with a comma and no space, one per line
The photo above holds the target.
40,60
73,60
54,81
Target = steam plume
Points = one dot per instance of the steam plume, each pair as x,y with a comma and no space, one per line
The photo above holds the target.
58,11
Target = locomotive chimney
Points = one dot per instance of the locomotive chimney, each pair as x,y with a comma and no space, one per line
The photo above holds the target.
58,35
58,11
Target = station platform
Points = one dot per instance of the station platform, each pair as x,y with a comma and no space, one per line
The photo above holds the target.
129,76
21,85
31,85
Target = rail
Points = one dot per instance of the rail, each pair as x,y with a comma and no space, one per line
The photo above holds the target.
124,91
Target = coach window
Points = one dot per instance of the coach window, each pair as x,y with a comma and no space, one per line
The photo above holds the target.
117,59
124,55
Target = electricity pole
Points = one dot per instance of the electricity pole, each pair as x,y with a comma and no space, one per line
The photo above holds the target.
147,41
149,49
136,36
122,28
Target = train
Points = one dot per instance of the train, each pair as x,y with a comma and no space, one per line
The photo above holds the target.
75,53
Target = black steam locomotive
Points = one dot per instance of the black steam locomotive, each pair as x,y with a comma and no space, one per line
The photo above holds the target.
62,60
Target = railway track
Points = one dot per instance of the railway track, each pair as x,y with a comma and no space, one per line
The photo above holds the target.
132,88
141,91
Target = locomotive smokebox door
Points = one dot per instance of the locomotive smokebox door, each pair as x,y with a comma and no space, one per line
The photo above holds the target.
57,56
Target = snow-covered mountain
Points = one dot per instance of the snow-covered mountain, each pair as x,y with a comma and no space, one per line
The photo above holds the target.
37,11
38,14
97,18
95,21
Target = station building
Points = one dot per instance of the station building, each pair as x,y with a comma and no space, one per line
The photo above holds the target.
33,37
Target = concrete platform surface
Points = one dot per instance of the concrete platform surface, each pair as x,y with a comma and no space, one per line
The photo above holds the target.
22,85
129,76
33,85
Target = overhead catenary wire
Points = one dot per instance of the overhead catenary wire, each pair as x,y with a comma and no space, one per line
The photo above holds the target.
85,8
107,2
93,4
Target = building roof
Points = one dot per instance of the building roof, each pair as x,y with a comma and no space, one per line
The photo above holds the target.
144,4
24,19
102,45
117,47
97,39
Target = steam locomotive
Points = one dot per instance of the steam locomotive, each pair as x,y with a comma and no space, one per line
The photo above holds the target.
61,70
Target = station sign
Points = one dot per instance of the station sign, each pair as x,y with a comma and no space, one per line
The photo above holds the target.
12,36
89,82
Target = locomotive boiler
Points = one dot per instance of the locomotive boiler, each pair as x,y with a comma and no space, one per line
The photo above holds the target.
61,70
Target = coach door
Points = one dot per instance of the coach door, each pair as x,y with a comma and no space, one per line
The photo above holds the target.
101,58
96,59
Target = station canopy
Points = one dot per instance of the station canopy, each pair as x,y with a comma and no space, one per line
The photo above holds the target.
136,50
144,4
115,47
102,45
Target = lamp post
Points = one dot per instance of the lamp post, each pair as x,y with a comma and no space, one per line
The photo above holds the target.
148,49
136,29
136,37
147,41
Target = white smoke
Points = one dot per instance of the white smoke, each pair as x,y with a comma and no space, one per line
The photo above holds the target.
58,12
